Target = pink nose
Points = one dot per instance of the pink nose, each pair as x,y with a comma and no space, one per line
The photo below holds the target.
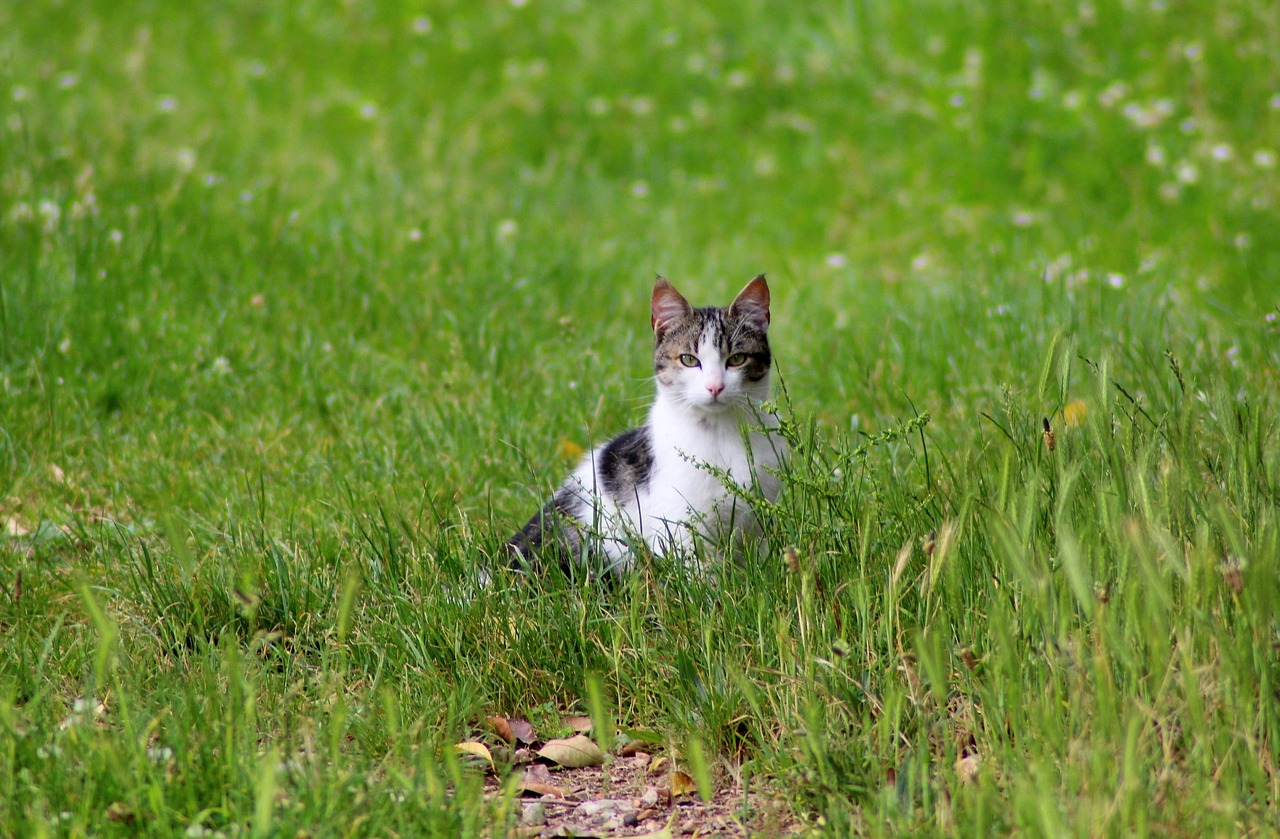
715,388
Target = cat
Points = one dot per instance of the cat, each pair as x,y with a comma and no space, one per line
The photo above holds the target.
656,487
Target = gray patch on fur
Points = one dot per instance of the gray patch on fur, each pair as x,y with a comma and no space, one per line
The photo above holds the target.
552,534
626,462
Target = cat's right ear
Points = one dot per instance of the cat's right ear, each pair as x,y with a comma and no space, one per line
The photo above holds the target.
666,306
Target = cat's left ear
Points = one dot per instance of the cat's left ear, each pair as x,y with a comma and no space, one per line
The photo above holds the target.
752,304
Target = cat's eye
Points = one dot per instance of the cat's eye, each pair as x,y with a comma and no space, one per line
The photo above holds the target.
689,360
736,360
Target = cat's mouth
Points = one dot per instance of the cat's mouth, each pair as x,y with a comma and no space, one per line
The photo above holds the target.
719,402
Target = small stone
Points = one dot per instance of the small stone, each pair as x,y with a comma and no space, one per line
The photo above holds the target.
688,826
533,814
650,797
604,806
630,819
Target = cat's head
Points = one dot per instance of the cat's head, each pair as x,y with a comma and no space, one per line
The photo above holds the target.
712,359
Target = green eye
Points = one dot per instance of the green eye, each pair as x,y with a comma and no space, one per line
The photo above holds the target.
736,360
689,360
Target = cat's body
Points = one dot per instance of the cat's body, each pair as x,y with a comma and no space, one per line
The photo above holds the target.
659,484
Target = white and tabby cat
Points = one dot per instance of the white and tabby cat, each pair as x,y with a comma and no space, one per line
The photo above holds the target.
652,484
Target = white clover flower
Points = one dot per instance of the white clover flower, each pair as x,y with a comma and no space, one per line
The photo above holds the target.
507,230
836,260
1112,94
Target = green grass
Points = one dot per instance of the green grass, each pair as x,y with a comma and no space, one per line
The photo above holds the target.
301,304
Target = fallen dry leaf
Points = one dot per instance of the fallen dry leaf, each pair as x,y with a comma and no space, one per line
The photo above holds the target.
655,765
479,750
502,728
522,730
537,774
574,752
682,783
578,723
533,788
636,747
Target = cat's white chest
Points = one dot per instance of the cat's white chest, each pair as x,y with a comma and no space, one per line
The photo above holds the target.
687,492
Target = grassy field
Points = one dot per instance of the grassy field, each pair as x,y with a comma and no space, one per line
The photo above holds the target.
305,307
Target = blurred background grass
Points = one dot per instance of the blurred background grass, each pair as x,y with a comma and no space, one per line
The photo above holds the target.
354,205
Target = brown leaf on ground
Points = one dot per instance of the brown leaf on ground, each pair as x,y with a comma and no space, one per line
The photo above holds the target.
636,746
502,728
522,730
574,752
537,779
578,722
682,783
539,790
